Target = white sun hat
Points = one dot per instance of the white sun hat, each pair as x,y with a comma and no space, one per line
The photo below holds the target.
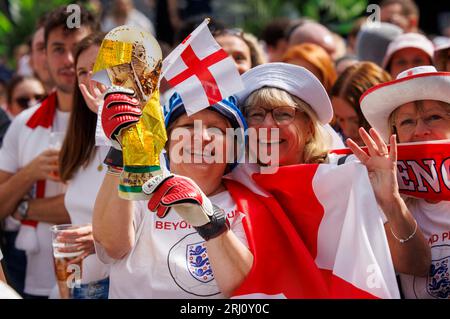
416,84
408,40
441,43
293,79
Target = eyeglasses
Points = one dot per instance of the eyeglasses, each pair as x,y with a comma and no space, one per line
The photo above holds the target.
282,115
407,124
24,101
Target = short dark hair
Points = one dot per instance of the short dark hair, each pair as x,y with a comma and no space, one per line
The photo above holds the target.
275,31
58,18
409,7
14,82
40,23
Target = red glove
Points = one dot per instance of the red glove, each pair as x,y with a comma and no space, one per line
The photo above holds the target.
120,110
190,202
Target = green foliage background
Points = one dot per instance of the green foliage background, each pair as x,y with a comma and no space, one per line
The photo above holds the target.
338,15
17,29
251,15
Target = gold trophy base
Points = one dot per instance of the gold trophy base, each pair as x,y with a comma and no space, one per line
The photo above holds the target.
132,178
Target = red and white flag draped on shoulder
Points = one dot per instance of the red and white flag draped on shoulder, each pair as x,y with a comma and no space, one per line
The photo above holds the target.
315,231
201,71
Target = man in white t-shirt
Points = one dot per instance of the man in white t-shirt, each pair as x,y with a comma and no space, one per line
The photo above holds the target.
29,187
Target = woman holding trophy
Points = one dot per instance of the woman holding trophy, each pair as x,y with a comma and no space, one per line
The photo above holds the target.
164,253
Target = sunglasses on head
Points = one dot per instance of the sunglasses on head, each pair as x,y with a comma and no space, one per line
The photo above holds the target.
24,101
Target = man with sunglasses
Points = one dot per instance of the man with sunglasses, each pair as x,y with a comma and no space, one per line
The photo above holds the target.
28,189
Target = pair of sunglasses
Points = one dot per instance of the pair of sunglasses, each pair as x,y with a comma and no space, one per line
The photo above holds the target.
24,101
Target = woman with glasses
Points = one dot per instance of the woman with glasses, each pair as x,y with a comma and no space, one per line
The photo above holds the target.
292,101
23,92
416,108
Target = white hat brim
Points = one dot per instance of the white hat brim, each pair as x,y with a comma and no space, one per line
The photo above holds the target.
293,79
380,101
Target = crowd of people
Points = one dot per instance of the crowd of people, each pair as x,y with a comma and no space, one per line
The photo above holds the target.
194,237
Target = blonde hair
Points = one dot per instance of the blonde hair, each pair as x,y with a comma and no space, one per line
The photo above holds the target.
316,147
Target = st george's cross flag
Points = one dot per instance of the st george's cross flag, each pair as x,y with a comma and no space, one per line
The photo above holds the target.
315,231
201,71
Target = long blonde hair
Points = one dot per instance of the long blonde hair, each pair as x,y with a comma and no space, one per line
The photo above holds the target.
317,146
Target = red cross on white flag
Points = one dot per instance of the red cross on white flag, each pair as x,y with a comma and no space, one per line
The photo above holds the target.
201,71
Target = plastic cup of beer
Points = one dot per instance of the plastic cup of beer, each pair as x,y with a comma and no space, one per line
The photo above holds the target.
68,265
55,142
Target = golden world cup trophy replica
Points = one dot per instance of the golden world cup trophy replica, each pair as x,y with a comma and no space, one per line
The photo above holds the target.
131,58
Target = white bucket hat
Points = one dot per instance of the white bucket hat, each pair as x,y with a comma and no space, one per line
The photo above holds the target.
293,79
408,40
441,43
416,84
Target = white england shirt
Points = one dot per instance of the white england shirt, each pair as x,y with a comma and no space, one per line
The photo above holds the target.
168,259
79,199
434,221
20,146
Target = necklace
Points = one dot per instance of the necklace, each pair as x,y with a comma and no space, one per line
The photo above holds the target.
100,165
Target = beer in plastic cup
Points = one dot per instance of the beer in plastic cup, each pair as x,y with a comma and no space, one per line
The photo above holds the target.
68,273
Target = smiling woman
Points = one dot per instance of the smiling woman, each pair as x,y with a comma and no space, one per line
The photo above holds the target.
187,240
302,140
416,107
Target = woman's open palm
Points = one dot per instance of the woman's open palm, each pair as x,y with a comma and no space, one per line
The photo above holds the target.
380,162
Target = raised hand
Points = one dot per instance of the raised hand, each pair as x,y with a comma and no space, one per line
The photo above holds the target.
93,96
381,164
